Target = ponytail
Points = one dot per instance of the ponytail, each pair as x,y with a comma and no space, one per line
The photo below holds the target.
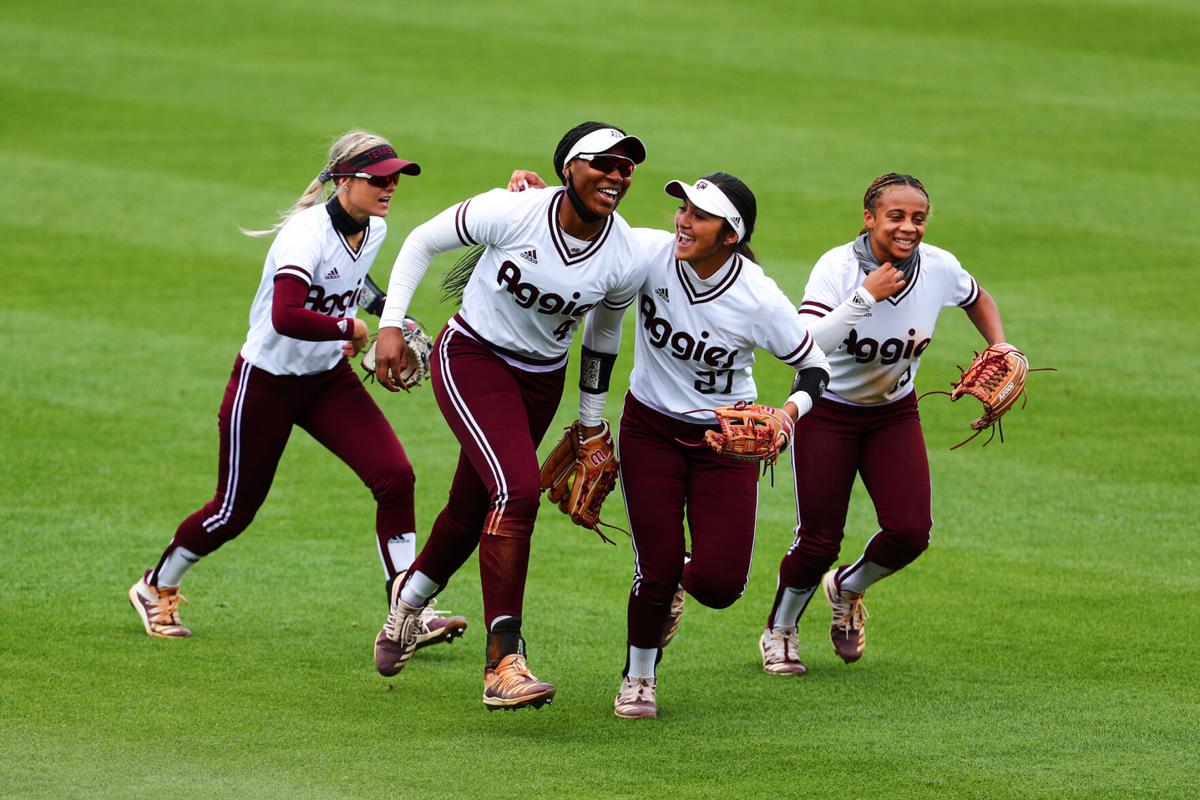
343,148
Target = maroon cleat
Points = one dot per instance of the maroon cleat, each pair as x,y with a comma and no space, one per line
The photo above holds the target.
158,608
849,616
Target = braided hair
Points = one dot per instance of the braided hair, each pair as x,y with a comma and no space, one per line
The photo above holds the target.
744,201
885,181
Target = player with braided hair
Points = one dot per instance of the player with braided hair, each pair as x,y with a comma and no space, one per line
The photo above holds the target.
293,371
873,304
550,258
704,308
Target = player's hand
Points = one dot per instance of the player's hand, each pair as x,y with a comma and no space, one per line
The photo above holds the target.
523,179
392,358
588,431
884,282
359,341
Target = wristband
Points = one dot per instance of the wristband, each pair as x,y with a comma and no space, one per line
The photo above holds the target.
595,370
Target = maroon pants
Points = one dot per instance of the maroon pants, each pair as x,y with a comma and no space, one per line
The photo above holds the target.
499,414
662,480
834,442
255,421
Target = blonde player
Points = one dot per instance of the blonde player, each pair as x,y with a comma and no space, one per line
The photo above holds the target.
550,258
293,371
873,304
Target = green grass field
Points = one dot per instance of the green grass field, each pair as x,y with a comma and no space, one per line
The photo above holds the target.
1047,644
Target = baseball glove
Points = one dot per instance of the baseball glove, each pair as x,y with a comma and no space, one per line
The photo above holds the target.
418,341
579,473
996,377
750,432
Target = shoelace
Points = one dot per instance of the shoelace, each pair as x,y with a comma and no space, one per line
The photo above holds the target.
400,625
640,690
166,607
777,647
512,676
850,614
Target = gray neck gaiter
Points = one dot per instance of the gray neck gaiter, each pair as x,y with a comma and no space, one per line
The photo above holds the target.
869,263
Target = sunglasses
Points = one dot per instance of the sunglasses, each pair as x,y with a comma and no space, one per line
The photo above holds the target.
606,163
378,181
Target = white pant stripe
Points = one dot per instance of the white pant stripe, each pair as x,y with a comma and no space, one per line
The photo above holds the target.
464,413
235,452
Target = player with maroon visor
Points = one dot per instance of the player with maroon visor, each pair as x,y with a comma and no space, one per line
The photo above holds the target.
293,371
873,304
548,259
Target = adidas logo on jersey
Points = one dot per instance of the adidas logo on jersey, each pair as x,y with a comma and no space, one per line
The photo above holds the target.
332,274
530,256
662,292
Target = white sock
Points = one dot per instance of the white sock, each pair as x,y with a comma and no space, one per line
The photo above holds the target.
861,574
402,551
418,590
791,606
174,567
641,661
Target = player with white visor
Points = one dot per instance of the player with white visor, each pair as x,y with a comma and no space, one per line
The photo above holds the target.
548,258
703,309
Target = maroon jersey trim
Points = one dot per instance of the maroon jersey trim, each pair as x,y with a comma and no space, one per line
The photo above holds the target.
694,297
515,356
460,224
560,244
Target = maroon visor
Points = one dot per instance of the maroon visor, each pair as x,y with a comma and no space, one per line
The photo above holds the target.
379,161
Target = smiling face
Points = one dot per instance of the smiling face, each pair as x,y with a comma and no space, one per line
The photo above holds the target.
362,200
897,224
601,192
701,237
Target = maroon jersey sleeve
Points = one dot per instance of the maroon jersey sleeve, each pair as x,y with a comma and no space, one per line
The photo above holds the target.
291,318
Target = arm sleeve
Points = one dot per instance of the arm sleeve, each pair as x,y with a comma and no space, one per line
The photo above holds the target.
291,318
829,309
831,326
602,334
438,235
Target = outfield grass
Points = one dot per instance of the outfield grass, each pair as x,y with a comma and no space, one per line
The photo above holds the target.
1046,645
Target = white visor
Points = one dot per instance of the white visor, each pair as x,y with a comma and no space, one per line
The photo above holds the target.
705,196
605,139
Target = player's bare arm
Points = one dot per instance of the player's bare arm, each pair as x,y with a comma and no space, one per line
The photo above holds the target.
985,315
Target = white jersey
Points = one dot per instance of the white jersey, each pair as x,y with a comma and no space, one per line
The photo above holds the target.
877,362
534,284
696,338
308,247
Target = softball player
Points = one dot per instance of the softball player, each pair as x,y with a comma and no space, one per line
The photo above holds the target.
873,303
702,310
293,371
550,257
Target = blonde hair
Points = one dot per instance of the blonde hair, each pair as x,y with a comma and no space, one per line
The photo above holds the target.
346,146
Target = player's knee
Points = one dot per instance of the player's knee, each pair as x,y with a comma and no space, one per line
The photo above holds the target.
520,504
395,484
905,544
714,591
